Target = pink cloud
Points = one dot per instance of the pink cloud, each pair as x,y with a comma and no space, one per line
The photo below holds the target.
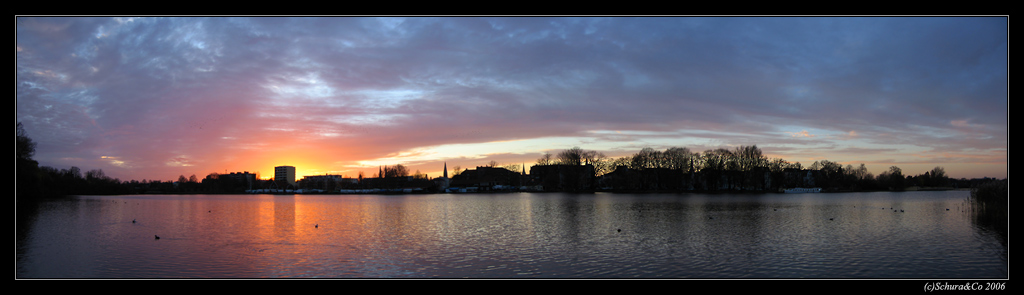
803,133
171,96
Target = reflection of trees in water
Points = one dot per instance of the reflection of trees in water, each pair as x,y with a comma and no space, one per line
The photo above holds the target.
989,208
25,220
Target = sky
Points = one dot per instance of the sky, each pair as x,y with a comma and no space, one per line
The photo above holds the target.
157,97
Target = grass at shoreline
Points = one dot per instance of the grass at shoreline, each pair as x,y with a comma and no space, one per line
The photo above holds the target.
990,206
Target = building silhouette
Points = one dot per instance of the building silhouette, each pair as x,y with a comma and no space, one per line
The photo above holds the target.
245,178
443,182
563,177
285,174
486,178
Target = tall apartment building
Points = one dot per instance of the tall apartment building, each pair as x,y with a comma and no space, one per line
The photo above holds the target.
286,173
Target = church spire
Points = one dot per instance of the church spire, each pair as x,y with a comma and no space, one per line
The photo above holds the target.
446,169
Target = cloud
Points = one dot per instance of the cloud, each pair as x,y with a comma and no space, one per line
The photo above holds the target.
802,133
147,91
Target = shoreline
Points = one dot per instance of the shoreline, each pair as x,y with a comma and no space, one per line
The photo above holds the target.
401,192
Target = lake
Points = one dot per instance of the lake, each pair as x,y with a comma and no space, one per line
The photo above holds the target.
517,235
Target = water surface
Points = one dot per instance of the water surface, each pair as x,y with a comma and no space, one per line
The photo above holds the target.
520,235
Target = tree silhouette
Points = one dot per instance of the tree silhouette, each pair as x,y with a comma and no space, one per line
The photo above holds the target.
572,156
24,147
543,160
398,170
28,180
646,158
938,177
894,178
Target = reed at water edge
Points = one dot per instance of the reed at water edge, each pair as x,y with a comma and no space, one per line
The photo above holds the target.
990,206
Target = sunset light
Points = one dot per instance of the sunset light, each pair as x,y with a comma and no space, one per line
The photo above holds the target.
741,148
194,96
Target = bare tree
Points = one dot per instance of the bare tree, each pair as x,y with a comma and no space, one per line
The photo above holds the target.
590,157
419,175
513,167
647,158
602,164
858,173
398,170
716,163
896,180
777,164
938,177
621,161
572,156
680,158
938,172
750,157
544,160
73,172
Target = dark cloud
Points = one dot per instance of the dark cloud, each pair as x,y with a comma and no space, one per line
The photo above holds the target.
160,93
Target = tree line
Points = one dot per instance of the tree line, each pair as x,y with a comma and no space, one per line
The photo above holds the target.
740,168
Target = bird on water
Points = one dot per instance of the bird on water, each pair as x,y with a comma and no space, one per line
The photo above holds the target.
157,237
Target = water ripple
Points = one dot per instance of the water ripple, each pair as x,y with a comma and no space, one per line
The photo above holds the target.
511,236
